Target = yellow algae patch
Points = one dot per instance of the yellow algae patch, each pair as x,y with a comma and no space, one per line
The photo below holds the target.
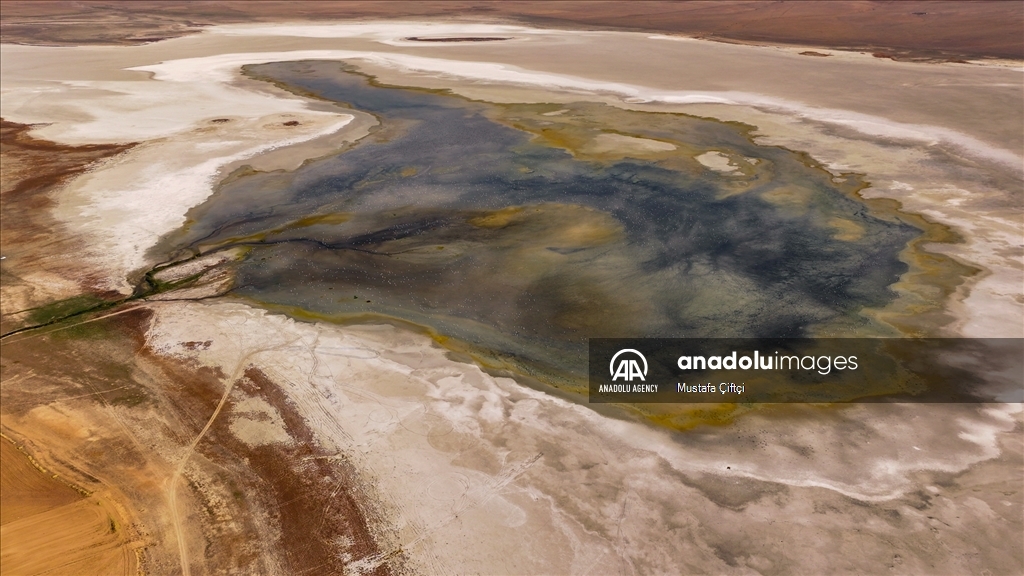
332,218
932,279
688,416
554,225
594,131
792,197
586,233
846,230
498,218
409,171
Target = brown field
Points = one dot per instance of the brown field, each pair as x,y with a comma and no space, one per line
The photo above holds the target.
47,526
26,489
912,29
94,397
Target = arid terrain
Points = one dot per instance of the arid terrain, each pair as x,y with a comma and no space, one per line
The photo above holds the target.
915,29
165,411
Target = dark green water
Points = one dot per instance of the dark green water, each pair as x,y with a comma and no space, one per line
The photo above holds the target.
403,225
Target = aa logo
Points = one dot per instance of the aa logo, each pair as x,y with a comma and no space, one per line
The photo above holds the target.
627,367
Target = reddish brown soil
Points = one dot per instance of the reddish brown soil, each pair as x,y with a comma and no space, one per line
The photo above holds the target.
309,495
911,29
32,241
295,508
32,166
310,492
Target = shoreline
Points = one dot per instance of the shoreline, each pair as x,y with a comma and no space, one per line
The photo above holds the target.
218,75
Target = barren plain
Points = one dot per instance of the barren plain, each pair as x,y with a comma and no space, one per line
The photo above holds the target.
177,424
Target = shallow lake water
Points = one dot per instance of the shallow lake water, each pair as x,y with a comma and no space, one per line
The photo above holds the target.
522,230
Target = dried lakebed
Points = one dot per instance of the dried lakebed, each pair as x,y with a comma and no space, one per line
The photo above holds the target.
409,459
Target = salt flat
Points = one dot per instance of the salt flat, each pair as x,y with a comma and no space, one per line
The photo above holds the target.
473,473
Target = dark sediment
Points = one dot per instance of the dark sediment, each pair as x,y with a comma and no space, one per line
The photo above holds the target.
506,229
